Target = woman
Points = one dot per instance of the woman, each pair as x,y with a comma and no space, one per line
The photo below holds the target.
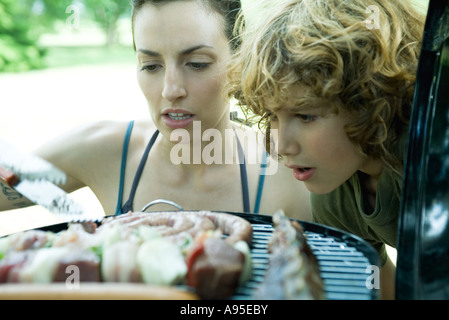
336,79
182,49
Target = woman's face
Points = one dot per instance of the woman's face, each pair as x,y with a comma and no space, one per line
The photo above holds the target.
181,57
316,146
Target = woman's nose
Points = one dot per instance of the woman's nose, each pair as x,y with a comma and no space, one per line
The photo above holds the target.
173,85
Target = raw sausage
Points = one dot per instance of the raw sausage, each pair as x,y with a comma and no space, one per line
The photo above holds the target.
175,222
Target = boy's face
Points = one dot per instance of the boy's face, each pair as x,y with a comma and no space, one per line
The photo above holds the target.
314,144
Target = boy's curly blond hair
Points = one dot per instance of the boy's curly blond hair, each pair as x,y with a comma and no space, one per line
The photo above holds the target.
334,48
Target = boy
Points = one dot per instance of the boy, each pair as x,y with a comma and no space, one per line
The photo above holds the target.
336,79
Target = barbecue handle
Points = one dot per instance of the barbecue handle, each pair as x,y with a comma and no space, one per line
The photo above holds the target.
158,201
8,177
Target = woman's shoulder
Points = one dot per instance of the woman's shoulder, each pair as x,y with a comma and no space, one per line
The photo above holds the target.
107,131
89,140
99,130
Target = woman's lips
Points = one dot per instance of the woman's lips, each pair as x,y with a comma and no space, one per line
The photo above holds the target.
177,119
302,173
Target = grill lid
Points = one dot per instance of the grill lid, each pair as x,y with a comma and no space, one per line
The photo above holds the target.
423,241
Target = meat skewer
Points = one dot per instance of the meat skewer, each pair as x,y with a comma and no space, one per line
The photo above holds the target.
124,249
293,272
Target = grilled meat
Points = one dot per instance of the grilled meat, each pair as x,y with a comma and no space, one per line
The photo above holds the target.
293,272
215,271
137,247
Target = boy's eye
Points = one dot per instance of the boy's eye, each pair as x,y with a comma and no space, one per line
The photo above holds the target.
305,117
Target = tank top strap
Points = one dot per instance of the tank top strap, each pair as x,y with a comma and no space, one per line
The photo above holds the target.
243,176
128,206
118,209
263,168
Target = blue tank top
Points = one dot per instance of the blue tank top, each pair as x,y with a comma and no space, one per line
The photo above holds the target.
128,206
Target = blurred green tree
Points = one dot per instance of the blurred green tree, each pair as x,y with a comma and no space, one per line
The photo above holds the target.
18,49
45,13
21,24
107,14
23,21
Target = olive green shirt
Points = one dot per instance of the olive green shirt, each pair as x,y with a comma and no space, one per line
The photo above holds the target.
343,209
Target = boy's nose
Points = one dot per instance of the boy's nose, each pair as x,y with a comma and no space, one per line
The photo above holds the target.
287,143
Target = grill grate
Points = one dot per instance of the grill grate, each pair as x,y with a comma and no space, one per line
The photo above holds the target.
343,267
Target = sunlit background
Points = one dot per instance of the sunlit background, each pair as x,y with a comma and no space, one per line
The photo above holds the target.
64,63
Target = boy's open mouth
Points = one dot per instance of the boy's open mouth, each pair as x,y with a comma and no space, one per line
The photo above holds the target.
303,173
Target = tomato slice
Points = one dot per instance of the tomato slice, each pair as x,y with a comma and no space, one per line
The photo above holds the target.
196,252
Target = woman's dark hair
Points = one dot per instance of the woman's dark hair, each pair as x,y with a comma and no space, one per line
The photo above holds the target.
228,9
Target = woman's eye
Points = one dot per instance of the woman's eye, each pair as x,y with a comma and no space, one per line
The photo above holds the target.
198,65
150,68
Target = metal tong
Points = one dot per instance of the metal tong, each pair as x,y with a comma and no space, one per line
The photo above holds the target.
37,180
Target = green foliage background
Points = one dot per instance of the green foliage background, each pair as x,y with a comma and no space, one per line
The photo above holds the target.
18,50
22,22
